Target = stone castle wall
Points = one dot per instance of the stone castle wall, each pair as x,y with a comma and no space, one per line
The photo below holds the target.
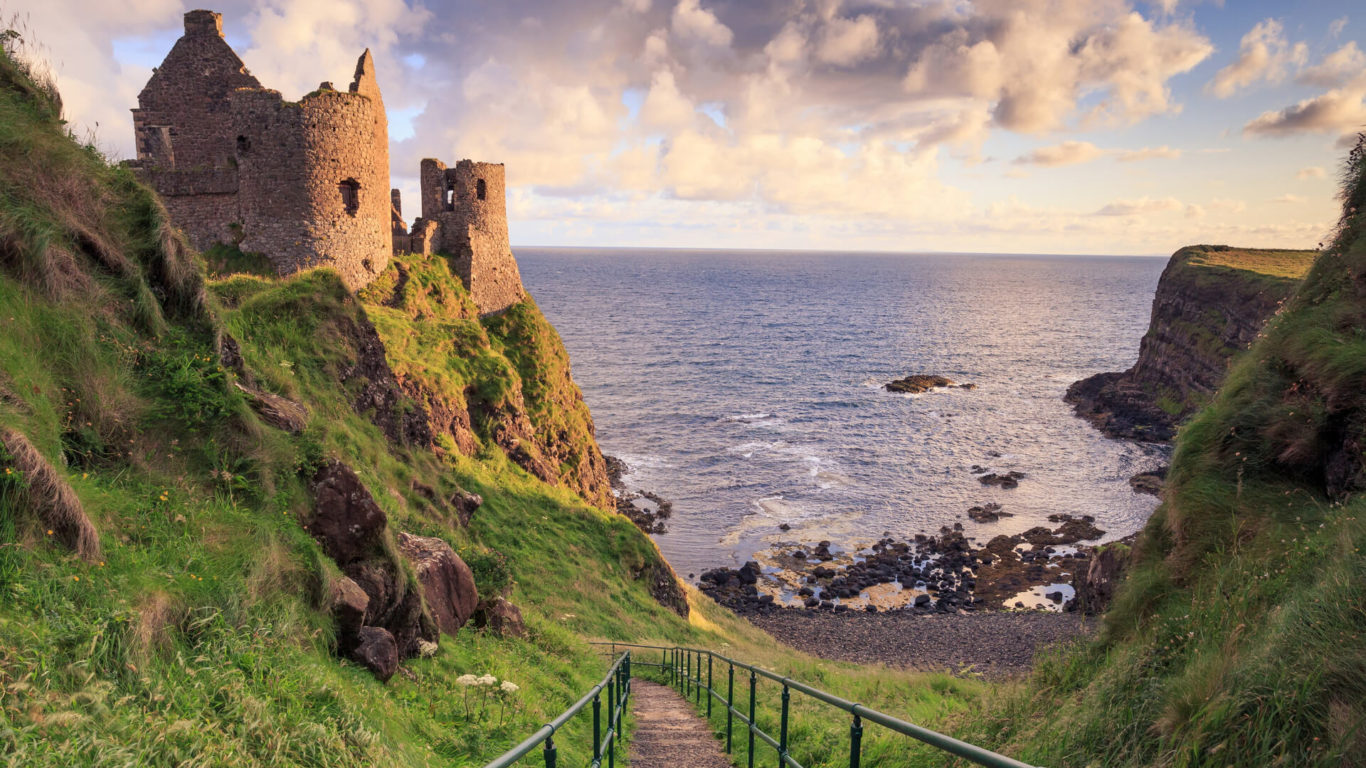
314,178
306,184
468,204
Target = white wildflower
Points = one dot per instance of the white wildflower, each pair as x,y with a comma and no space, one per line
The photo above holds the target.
489,680
426,649
508,687
467,680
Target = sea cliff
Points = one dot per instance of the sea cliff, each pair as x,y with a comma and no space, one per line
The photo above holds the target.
1210,304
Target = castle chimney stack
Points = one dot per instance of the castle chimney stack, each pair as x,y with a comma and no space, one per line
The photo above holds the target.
203,23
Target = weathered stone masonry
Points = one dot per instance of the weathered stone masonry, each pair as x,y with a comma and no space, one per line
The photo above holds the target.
307,183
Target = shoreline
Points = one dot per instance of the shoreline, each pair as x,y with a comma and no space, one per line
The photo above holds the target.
993,644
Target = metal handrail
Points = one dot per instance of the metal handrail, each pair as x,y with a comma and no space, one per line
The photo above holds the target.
617,683
683,666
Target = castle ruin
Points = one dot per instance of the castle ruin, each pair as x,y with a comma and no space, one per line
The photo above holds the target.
307,183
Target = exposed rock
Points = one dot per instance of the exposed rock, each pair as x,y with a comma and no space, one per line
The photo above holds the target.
447,582
345,519
377,651
279,412
349,603
1149,482
1095,585
444,415
378,394
918,383
466,504
987,513
1007,480
616,469
500,617
664,587
1201,317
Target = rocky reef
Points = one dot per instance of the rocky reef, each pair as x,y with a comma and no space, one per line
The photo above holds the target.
1210,304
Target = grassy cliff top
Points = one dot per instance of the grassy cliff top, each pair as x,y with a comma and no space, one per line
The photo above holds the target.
1283,264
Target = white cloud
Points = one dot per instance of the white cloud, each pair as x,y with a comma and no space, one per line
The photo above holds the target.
1336,27
1066,153
1340,111
1163,152
1337,68
1287,198
1312,172
845,42
665,106
692,21
1263,54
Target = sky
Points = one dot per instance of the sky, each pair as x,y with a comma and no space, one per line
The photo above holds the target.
1017,126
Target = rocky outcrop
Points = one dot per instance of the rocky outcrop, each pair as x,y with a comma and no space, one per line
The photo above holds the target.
1211,302
918,383
375,593
1095,584
447,583
378,394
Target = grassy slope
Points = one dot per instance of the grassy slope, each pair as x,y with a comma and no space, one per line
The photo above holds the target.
1239,637
198,635
1274,264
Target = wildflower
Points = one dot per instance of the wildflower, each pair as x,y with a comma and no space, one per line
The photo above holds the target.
9,471
49,531
508,687
467,680
426,650
488,680
75,578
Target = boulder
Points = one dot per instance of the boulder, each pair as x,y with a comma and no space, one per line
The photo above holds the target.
447,583
377,652
349,603
345,519
465,504
1095,586
500,617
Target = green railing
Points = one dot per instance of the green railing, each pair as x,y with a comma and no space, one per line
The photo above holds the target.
684,669
617,684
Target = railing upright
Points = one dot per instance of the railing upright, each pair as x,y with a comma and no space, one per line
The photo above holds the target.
597,731
856,742
730,704
710,695
782,729
753,681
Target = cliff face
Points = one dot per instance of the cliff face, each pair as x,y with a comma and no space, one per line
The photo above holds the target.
1211,302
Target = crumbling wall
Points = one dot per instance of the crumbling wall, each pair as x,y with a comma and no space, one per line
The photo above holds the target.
314,181
468,203
306,184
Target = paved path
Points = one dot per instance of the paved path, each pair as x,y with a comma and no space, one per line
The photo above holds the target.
669,734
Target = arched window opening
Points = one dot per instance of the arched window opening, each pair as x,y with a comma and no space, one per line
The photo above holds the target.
448,199
481,190
350,195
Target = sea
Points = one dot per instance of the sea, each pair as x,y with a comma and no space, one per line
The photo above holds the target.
746,387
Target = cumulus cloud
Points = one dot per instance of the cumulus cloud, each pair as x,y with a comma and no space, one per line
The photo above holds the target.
1163,152
692,21
1339,111
1336,69
1263,54
845,42
1066,153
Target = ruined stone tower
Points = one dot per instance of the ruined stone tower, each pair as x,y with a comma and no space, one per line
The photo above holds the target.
306,183
464,214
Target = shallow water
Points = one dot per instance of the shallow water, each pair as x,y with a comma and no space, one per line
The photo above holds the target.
746,387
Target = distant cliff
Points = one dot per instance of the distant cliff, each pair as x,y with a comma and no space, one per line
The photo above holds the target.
1211,302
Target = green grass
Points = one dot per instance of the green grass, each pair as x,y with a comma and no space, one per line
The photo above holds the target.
200,636
1273,263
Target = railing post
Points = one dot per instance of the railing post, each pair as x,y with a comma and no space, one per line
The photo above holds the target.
622,692
709,696
782,729
550,750
730,703
687,674
753,680
856,741
597,731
